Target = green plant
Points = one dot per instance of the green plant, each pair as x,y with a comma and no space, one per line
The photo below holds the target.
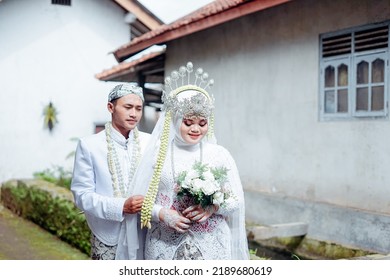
50,116
253,251
294,257
51,208
56,175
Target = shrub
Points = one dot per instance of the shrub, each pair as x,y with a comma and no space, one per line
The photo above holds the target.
49,206
56,175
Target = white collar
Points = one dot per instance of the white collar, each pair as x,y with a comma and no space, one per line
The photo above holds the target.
119,138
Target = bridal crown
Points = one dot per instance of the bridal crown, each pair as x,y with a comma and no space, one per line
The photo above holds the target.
183,81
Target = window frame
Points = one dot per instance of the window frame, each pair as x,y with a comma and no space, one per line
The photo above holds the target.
98,127
370,114
351,59
335,63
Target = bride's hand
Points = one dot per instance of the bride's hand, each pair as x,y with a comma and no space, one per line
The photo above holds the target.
174,220
199,214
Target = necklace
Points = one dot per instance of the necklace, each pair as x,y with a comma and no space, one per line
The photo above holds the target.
173,161
120,189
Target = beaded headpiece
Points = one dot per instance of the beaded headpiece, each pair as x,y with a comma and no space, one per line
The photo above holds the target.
199,104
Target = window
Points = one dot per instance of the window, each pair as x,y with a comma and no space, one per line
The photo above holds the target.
99,127
354,74
61,2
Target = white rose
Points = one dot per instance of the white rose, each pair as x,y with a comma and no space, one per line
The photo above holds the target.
196,184
209,188
218,198
208,176
185,186
192,174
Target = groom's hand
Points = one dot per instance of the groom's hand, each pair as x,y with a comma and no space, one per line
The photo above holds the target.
133,204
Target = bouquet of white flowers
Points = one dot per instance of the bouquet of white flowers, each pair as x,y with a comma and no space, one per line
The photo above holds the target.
204,184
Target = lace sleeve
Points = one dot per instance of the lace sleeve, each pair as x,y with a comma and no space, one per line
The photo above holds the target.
156,212
230,205
233,202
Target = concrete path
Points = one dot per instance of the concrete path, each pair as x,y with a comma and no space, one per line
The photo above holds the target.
21,239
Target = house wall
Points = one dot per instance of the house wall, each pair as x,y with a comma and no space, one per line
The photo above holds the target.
333,175
51,53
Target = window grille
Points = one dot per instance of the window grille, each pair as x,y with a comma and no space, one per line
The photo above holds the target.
61,2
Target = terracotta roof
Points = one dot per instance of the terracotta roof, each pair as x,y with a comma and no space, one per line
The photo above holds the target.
215,13
126,67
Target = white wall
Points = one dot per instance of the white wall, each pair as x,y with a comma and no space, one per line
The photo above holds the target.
266,71
267,104
51,53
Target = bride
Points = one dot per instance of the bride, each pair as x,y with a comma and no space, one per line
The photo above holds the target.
194,205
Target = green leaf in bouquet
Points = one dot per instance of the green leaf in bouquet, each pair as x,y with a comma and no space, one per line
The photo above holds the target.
181,177
220,174
200,167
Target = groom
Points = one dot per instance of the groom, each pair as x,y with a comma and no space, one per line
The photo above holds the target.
103,169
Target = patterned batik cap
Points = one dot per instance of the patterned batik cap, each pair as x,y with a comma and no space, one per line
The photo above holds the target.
125,89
